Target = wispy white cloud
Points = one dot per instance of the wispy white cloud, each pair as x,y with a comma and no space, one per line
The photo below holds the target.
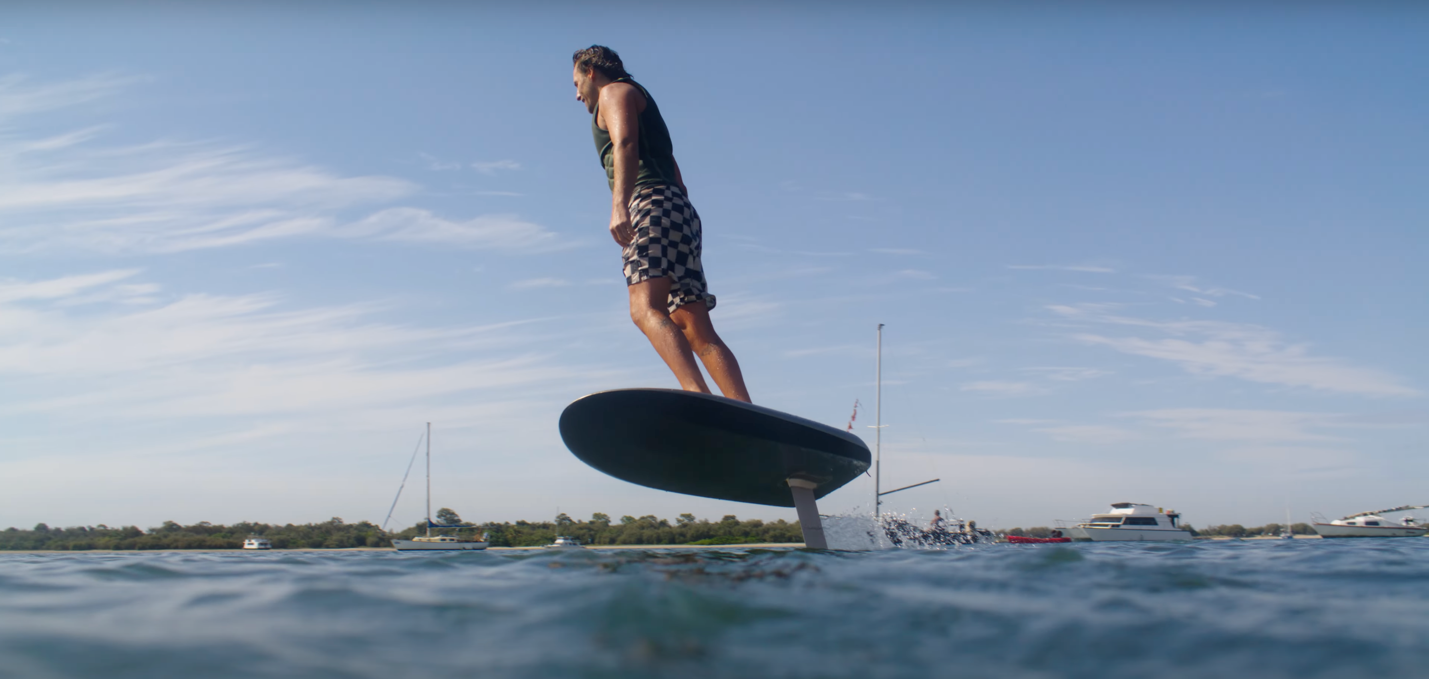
782,274
56,288
494,166
1068,374
539,283
742,310
168,197
1222,424
1342,465
1089,433
436,164
917,275
20,97
1080,268
1239,350
488,232
68,191
226,355
1059,430
1004,388
58,141
1188,283
132,294
897,251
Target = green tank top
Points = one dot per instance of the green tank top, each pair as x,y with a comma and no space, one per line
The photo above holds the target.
657,153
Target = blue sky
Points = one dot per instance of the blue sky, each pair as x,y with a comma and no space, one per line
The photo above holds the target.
1169,255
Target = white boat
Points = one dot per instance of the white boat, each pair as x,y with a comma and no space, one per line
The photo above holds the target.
442,543
565,542
257,542
1130,522
435,543
1372,525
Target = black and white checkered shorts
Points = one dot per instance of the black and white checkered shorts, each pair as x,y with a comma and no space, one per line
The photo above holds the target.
667,243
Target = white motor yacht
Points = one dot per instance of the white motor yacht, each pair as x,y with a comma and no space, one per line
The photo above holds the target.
1371,525
1130,521
565,542
257,542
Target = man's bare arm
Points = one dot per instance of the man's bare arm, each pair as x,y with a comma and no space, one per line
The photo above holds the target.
620,105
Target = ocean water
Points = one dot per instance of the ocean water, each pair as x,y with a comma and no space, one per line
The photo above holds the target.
1255,608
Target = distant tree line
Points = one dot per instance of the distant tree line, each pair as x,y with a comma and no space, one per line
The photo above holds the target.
1236,530
629,530
1233,530
337,534
332,534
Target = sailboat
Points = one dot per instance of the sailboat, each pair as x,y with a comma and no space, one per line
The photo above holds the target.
897,530
445,543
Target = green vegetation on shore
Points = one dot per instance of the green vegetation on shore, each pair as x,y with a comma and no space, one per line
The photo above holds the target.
628,530
1233,530
337,534
333,534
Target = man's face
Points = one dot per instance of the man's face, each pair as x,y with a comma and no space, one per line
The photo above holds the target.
586,91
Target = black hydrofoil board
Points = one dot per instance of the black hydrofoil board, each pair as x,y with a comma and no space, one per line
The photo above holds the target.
709,446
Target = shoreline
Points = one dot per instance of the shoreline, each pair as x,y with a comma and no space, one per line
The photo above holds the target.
758,545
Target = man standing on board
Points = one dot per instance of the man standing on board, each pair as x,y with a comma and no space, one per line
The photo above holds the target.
653,220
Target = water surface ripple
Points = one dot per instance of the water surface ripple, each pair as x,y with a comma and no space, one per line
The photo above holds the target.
1267,608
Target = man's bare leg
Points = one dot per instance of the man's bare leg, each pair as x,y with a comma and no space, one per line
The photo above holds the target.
694,322
648,302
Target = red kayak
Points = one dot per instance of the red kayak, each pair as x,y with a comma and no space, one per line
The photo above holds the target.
1026,540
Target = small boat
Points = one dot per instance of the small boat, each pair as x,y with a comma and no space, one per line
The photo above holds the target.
1372,525
565,542
435,543
1024,540
1130,522
257,542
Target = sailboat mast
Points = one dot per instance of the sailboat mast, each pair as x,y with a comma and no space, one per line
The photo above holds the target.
878,426
429,479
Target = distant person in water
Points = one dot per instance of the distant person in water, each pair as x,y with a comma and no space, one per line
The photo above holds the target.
938,523
652,219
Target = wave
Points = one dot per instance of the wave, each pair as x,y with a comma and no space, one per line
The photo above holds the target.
1254,608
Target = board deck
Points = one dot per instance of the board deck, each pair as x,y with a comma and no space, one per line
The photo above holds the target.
709,446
